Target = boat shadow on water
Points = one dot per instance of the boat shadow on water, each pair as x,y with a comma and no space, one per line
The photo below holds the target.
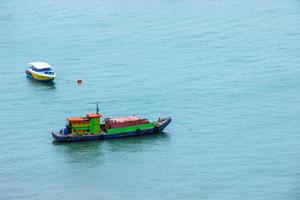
137,143
38,84
80,152
93,152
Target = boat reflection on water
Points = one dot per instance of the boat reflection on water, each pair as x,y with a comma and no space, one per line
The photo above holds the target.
93,152
84,152
39,84
135,144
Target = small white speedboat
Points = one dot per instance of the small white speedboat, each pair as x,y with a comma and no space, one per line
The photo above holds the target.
40,71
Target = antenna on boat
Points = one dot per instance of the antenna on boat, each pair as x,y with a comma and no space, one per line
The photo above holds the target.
97,109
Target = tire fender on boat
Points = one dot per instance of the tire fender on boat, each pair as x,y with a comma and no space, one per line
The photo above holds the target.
138,131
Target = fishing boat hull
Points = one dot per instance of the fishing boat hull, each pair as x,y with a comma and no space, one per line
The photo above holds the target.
39,77
161,124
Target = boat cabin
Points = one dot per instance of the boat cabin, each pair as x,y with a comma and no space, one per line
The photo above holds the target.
41,67
90,124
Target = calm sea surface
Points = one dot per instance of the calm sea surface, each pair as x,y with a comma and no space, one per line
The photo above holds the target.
228,70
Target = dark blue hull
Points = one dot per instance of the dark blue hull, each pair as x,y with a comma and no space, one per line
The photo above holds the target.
160,126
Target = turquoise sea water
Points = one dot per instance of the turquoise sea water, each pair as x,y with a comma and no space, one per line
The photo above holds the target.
227,70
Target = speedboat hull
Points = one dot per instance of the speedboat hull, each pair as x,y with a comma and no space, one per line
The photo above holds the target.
161,124
39,76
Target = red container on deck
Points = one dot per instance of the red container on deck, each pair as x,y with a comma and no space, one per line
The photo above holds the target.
124,121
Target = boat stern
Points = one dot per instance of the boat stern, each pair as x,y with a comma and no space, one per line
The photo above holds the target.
58,136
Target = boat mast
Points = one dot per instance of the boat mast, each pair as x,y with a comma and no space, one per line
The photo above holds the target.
97,109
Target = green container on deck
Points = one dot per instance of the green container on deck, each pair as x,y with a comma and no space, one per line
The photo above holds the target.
130,128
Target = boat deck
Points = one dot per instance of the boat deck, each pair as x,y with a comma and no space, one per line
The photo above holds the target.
160,124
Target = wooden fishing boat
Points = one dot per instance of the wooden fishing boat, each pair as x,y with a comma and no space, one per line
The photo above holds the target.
90,128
